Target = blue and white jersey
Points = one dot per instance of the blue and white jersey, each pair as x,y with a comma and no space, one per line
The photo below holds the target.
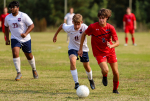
18,25
75,36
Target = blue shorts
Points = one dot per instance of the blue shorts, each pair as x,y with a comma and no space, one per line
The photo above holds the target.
26,46
84,58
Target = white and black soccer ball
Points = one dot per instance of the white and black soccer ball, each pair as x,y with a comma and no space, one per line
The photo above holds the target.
82,91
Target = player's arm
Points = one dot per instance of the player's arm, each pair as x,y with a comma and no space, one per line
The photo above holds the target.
124,25
134,24
80,52
65,20
115,44
30,28
7,35
0,23
58,30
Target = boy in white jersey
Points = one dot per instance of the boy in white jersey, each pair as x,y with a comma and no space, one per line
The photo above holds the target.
75,32
20,26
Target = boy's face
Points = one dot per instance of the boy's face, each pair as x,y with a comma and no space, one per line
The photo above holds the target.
102,20
77,25
5,10
128,10
14,9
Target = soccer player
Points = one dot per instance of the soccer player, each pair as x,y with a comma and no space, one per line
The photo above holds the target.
102,34
75,31
68,19
129,26
2,19
20,26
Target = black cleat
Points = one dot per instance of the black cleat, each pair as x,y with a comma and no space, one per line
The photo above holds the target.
104,81
92,84
35,74
76,85
115,91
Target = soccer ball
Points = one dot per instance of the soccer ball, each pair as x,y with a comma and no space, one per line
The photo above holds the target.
82,91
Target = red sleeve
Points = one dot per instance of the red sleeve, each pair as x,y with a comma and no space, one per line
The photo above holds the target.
88,31
114,34
134,18
124,18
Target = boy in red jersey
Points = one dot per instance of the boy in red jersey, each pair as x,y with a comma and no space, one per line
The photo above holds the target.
2,19
129,25
101,33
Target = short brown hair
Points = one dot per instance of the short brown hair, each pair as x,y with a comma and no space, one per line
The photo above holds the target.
106,13
77,18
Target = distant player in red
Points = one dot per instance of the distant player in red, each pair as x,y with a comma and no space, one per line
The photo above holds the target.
129,26
2,19
102,34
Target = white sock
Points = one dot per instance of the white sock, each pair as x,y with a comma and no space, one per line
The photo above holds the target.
89,74
74,75
32,63
17,64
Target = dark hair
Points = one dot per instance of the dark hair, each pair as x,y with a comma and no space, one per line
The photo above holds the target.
106,13
14,3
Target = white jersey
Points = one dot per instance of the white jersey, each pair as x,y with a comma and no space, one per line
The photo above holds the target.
69,17
75,36
18,25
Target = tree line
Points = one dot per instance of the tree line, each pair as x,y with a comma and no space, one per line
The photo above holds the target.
47,13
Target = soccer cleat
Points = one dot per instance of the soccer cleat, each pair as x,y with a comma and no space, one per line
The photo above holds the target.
115,91
125,44
35,74
104,81
134,44
19,75
76,85
92,84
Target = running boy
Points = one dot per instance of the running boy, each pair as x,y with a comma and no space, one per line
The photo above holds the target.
101,33
75,31
20,26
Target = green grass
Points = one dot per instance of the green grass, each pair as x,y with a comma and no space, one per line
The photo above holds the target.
55,81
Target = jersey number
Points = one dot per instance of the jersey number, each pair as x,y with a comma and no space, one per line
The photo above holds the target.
76,38
103,40
15,25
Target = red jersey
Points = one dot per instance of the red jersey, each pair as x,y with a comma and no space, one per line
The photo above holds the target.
129,19
2,18
100,36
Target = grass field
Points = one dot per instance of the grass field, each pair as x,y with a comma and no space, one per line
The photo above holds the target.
55,81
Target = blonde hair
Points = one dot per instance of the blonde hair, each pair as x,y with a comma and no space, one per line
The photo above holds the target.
106,13
77,18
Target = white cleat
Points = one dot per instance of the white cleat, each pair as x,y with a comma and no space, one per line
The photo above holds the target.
125,44
134,44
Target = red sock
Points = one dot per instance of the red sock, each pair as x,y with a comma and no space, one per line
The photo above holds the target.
133,40
126,40
105,75
115,84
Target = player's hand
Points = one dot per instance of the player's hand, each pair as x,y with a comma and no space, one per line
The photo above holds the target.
109,45
54,39
7,42
23,35
134,27
80,53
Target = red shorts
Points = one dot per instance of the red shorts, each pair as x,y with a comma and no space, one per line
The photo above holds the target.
108,58
129,30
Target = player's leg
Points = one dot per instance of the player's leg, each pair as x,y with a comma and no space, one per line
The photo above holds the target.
112,60
73,57
26,47
126,36
114,67
102,62
15,45
132,37
85,60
